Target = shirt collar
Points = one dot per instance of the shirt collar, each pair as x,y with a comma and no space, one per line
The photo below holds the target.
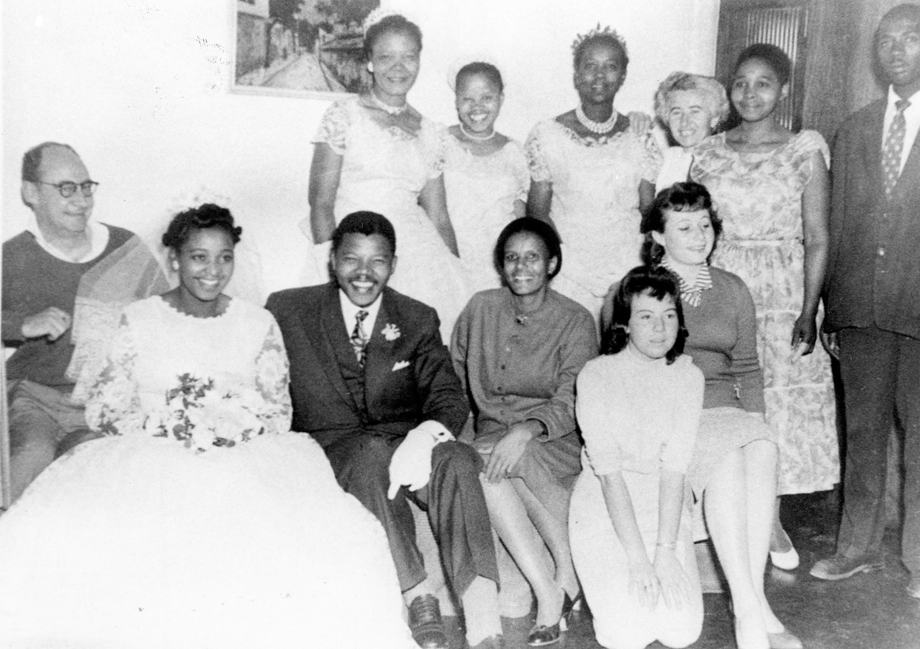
894,97
350,312
691,294
98,240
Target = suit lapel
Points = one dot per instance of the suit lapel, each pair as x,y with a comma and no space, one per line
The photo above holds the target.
380,351
331,333
873,144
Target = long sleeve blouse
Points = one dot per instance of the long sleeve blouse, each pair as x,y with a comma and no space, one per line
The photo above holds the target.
514,369
639,415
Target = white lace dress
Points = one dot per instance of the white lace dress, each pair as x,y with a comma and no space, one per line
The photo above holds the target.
595,204
384,171
134,540
481,191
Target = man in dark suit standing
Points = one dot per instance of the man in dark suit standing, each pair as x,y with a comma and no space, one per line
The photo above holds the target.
374,385
872,297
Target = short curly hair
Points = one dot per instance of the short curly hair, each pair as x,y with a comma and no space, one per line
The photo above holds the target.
606,36
679,197
203,217
775,58
712,90
529,225
391,23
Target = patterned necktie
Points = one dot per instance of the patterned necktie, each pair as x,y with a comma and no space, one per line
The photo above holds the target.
894,144
359,338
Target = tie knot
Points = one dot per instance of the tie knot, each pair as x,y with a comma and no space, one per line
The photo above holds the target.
902,104
361,315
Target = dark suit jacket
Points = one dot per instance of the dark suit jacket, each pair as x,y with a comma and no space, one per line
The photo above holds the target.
407,379
873,273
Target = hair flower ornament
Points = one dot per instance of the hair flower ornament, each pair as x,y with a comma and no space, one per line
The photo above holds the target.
391,332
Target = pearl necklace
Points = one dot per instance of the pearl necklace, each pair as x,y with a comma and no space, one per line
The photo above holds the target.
389,110
477,137
591,125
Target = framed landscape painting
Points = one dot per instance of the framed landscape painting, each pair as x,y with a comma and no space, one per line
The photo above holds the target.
300,47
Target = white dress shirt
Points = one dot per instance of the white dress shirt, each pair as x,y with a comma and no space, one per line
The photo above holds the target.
911,121
350,313
98,240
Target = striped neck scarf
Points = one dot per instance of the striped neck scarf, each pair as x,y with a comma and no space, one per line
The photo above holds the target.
691,293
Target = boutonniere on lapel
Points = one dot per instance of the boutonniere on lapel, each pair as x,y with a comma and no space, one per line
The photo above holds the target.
400,365
391,332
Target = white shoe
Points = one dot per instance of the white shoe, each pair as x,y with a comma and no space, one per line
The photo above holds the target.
788,560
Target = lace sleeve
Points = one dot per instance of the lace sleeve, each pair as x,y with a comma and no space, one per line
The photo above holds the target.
333,128
521,171
536,158
112,402
272,380
434,142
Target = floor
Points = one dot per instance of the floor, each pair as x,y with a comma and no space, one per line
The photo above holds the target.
867,611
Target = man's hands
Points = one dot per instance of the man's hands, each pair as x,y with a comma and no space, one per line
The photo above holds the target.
52,322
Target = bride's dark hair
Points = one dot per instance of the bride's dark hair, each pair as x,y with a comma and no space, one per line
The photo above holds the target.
203,217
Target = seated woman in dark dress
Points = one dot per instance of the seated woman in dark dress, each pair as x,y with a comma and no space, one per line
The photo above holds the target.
518,350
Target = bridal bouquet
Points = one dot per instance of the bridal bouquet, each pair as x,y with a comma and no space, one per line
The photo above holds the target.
201,416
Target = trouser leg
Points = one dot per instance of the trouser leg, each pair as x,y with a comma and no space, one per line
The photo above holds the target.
868,365
908,400
361,466
459,518
39,418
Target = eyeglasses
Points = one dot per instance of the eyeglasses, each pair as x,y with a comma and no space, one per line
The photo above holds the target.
69,188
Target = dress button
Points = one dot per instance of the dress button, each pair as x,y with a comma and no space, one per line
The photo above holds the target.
499,388
503,367
881,252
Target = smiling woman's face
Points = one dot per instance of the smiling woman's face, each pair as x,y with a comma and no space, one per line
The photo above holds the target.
394,62
599,74
689,117
527,264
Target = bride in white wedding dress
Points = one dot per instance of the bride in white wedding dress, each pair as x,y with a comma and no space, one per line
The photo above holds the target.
198,519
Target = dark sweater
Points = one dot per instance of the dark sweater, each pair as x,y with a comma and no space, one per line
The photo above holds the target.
34,280
723,343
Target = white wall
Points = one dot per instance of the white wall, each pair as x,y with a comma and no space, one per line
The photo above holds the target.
141,89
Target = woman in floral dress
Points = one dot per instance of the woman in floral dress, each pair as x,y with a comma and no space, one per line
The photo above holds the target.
591,175
198,519
771,187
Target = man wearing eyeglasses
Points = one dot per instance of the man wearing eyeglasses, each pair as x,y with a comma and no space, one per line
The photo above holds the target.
65,279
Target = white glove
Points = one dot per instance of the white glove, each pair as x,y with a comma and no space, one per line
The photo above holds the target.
411,462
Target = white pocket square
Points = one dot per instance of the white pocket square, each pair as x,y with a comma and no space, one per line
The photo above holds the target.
400,365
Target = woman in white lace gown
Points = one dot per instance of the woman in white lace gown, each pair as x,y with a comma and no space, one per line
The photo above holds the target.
203,525
591,174
376,152
485,172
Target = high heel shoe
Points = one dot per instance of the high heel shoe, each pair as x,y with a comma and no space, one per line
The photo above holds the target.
569,606
543,634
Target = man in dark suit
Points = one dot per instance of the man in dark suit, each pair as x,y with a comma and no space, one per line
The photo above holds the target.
374,385
872,297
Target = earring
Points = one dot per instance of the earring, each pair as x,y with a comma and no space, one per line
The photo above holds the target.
175,265
370,67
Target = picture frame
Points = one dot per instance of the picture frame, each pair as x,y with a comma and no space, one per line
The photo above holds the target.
305,48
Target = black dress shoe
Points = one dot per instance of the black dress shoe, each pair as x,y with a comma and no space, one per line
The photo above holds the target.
541,635
426,624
